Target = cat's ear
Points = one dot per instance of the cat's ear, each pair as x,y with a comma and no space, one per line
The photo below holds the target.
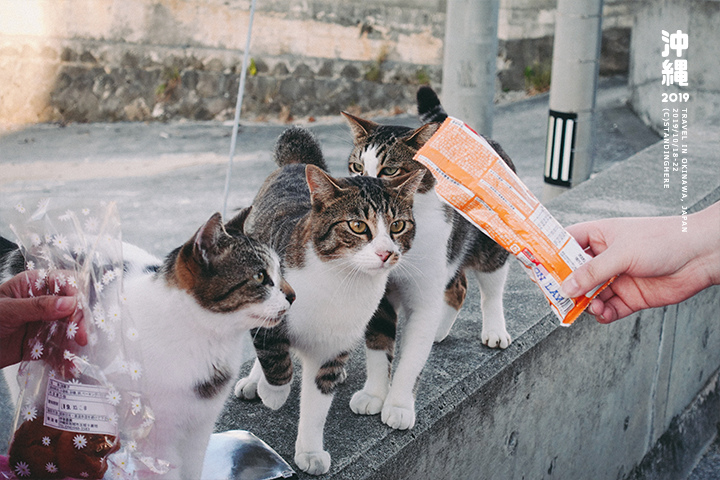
237,223
205,242
360,127
418,137
322,186
406,185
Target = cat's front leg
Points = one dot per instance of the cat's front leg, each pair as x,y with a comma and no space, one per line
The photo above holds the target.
370,399
310,456
318,387
246,388
256,385
423,317
380,346
273,396
494,332
271,375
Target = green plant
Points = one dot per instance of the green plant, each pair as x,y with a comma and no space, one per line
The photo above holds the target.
374,73
537,78
170,82
252,68
422,77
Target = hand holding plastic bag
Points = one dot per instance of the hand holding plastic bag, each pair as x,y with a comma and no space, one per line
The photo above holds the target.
79,404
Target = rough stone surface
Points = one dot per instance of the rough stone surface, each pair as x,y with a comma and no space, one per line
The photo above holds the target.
166,60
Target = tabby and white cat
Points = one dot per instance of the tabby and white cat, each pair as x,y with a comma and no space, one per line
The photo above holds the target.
339,240
431,289
190,312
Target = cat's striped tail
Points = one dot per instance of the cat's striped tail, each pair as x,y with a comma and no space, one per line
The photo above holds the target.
429,107
297,145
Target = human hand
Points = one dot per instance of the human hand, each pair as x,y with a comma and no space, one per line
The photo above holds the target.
21,315
656,263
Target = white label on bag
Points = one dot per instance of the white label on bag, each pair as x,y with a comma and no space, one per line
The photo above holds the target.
75,407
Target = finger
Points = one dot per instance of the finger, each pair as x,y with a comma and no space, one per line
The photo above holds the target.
581,233
45,308
81,337
605,314
606,293
596,308
617,309
595,272
57,282
612,310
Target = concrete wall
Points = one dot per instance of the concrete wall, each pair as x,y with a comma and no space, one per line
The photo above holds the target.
110,60
698,19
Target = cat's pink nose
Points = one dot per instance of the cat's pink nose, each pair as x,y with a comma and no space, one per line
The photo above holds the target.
384,255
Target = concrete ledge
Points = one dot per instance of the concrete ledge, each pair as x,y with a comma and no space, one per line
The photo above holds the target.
589,400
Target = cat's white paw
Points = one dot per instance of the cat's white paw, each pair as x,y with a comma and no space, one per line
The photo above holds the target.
246,389
398,417
364,403
314,463
496,338
273,396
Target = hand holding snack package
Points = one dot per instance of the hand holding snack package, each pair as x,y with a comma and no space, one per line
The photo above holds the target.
81,412
472,178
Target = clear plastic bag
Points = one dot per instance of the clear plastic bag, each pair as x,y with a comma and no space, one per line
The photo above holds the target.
81,412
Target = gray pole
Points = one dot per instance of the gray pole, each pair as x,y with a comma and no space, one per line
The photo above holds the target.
470,55
576,54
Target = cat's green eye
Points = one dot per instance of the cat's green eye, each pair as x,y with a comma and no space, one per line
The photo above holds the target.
397,226
356,168
389,171
357,226
259,277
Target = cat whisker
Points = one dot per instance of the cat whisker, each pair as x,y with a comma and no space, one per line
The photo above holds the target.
269,322
410,268
258,331
343,138
411,272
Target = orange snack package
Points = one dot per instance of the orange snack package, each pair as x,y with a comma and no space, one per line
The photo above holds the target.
473,179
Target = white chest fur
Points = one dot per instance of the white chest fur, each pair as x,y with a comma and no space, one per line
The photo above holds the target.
334,305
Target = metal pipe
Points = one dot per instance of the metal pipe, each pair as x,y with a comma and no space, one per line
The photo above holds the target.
576,57
469,61
238,107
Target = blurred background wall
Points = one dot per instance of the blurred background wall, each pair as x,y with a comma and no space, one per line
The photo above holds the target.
139,60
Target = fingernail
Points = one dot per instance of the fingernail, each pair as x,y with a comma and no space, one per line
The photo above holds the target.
65,304
596,312
570,287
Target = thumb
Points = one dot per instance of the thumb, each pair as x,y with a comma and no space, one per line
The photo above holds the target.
45,308
591,274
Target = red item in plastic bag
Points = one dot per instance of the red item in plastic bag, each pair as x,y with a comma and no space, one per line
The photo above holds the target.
39,451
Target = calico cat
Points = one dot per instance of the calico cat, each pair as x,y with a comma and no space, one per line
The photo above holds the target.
190,312
432,289
339,239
